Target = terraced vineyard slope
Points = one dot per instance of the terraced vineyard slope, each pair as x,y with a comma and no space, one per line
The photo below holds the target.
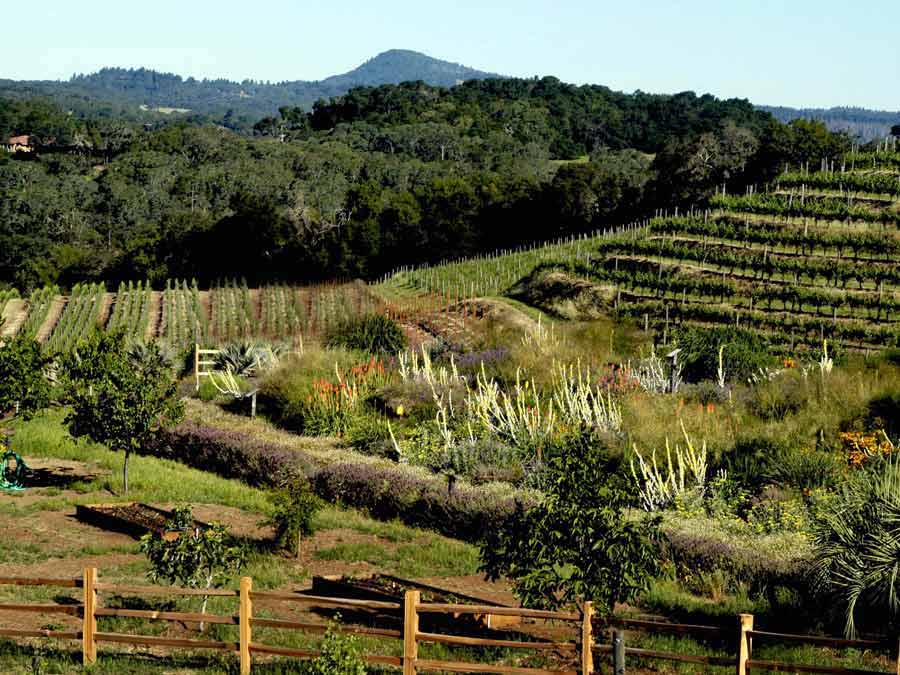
816,256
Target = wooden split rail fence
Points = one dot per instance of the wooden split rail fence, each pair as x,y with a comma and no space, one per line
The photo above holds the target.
579,652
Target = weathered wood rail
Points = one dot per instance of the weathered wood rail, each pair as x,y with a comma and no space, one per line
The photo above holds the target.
580,650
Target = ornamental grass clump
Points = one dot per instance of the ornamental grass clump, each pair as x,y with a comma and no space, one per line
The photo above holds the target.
373,333
329,408
312,398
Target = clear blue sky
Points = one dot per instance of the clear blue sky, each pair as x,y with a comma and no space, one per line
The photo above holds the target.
787,52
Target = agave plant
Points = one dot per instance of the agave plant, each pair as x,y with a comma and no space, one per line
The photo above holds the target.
248,358
150,358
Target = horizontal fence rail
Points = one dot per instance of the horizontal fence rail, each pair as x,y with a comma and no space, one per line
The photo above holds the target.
574,655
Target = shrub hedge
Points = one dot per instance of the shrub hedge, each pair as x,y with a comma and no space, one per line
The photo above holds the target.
381,487
388,490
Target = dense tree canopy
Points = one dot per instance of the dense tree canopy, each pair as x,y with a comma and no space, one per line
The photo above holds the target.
379,177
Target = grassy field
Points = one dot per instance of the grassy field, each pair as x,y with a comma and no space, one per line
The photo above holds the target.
50,542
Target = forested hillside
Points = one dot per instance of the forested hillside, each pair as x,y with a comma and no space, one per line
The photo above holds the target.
141,93
380,177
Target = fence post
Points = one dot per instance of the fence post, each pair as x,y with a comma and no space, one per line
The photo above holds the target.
89,621
745,643
587,639
410,632
618,643
244,614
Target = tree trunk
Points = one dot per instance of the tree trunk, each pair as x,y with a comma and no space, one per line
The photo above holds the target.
125,470
299,538
209,581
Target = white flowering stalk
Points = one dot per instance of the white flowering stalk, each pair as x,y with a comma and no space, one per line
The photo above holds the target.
541,339
401,455
650,373
720,372
826,363
443,416
768,375
413,367
659,488
521,417
578,402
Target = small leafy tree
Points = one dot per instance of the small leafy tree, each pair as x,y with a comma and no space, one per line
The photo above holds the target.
295,505
578,543
340,655
193,557
24,387
118,397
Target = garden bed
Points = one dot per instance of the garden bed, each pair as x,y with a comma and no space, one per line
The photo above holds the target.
388,588
132,518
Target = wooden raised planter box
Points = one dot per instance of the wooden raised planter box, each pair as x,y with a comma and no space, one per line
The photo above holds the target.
132,518
388,588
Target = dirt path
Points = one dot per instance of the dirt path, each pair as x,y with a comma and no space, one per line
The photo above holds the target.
206,304
106,310
13,317
154,325
56,310
256,304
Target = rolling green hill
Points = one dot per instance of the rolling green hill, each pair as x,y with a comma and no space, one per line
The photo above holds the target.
129,89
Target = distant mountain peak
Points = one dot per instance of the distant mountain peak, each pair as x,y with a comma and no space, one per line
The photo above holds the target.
405,65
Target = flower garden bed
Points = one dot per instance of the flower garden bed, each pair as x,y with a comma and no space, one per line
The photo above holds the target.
131,518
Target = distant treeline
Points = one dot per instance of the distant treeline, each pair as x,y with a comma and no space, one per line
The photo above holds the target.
859,123
362,183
